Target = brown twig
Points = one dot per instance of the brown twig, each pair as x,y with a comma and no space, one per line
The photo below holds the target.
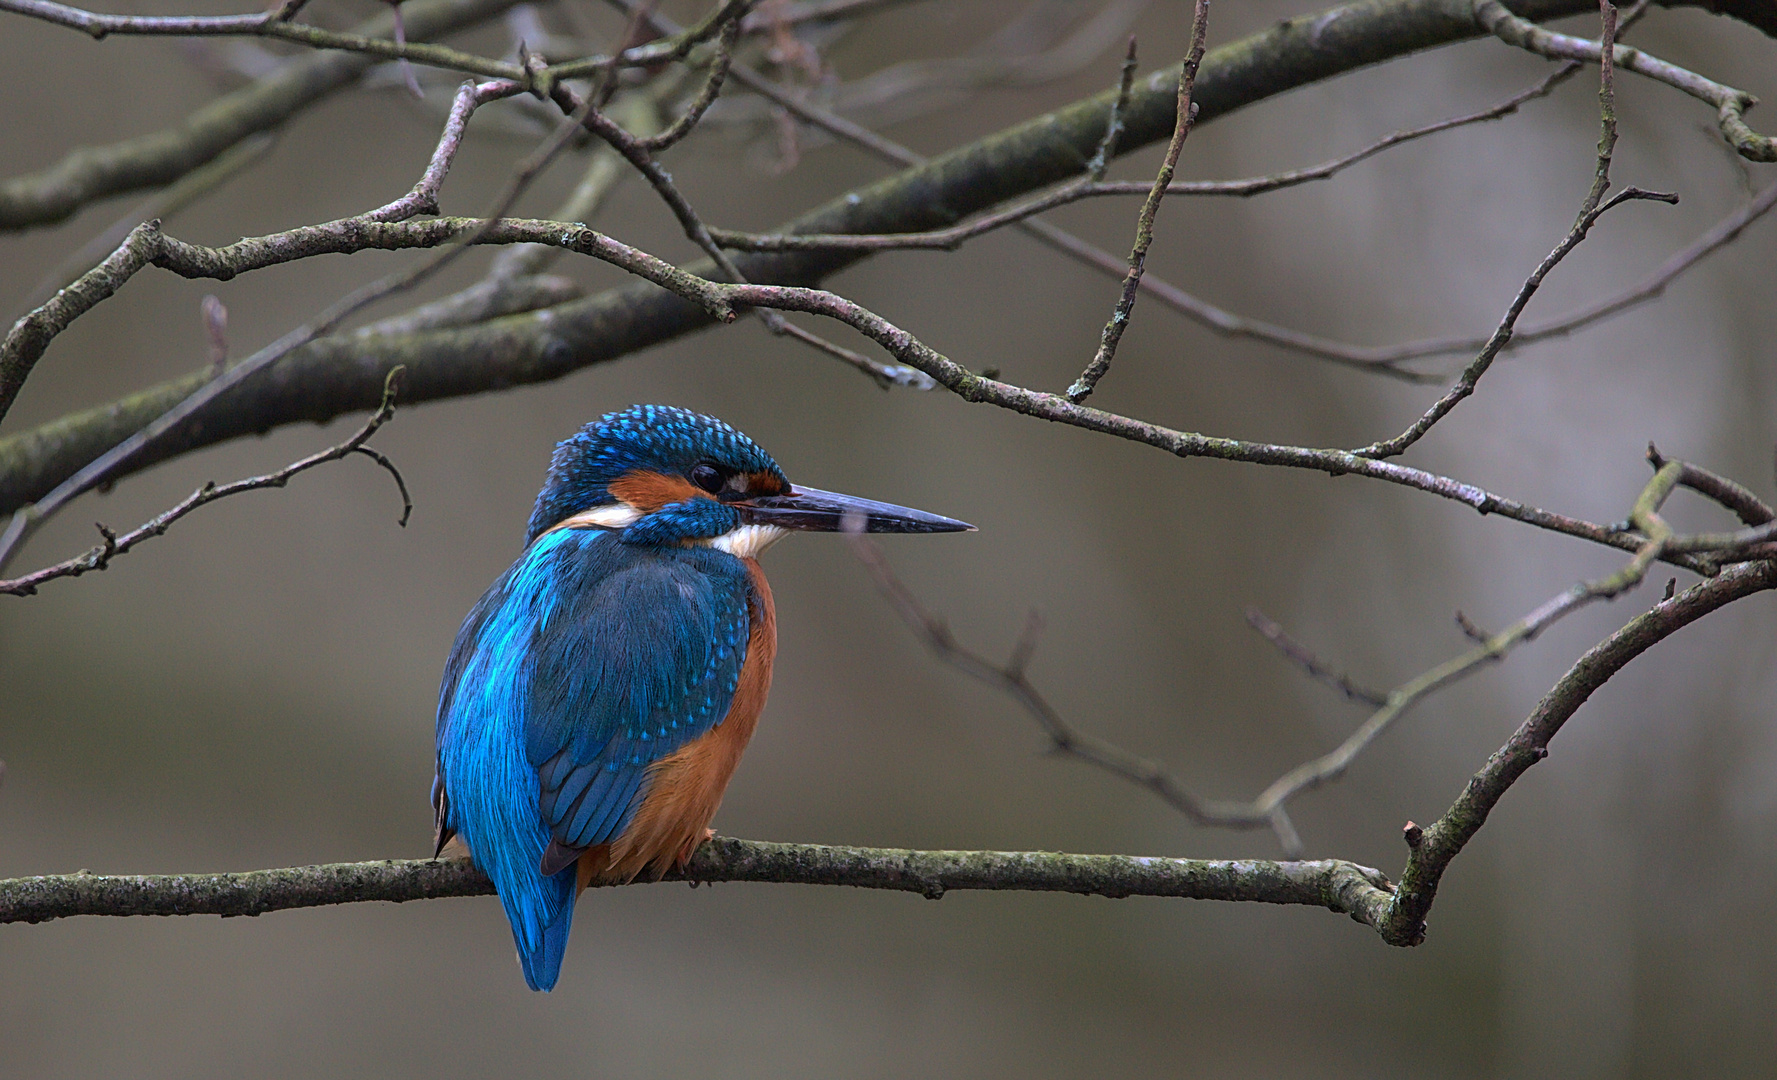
638,152
1010,678
113,545
1655,539
1304,658
706,94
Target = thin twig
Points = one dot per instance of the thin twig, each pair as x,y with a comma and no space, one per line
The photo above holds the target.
275,24
638,153
953,237
1144,225
1215,318
1064,738
1655,539
1592,207
706,94
1304,658
99,558
1113,128
1439,843
31,335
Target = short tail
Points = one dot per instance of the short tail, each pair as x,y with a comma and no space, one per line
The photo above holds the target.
542,965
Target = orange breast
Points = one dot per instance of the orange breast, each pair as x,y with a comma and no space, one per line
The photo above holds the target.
685,788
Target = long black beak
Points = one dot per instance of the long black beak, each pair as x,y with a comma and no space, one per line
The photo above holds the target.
813,510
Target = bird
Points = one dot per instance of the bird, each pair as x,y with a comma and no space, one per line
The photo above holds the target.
599,695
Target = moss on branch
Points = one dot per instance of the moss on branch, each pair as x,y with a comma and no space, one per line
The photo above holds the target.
1330,883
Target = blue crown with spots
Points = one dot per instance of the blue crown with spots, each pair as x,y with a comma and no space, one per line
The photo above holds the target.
654,438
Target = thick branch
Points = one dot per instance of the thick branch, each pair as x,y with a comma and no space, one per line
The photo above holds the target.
1330,883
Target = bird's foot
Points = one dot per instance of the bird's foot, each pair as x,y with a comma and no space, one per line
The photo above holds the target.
692,845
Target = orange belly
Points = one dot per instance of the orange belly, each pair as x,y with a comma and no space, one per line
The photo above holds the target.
685,788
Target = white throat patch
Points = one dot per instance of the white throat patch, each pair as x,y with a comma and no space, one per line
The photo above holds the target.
748,541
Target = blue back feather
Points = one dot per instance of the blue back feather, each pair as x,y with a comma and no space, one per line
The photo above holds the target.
592,657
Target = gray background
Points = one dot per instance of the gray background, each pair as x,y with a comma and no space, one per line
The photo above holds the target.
256,689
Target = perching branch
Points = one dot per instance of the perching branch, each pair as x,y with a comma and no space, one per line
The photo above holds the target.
1334,884
1398,915
924,200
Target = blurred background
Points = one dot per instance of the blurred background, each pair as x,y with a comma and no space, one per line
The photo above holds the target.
256,688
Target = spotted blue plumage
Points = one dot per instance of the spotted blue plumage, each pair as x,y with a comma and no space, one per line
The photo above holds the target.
597,653
639,437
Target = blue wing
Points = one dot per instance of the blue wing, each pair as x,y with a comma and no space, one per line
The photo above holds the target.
586,662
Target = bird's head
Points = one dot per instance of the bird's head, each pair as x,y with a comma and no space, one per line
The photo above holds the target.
671,476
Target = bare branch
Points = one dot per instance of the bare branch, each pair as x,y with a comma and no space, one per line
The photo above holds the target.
163,204
1269,808
26,342
1087,187
706,95
626,319
1444,839
1334,884
1064,738
27,519
277,24
1113,128
795,14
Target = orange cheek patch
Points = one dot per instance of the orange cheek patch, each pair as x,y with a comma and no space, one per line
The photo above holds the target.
649,491
763,483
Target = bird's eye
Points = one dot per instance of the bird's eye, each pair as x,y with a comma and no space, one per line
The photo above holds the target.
707,477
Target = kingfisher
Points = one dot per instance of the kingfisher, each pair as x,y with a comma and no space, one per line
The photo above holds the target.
599,695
